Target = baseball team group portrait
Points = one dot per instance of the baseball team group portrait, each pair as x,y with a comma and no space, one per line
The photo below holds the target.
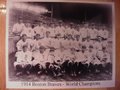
60,41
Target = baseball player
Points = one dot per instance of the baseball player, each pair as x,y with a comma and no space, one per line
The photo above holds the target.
36,42
52,30
21,42
23,61
106,62
40,58
28,31
18,27
16,31
84,33
105,33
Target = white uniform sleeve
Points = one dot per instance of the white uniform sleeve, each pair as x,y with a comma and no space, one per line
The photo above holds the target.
16,54
14,28
29,56
18,45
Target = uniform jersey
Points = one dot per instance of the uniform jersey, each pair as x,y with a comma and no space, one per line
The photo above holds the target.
37,29
40,58
76,33
80,57
46,42
56,43
65,31
92,33
106,57
84,32
37,44
68,31
29,43
105,34
62,31
96,32
105,43
100,33
52,32
51,57
57,30
18,28
73,31
68,55
40,30
58,56
89,56
98,45
74,44
29,32
79,31
100,55
96,61
86,44
23,57
20,44
65,43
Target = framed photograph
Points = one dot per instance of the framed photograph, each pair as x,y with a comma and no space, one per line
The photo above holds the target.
60,44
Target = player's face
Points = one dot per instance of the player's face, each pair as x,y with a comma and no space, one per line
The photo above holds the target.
20,21
45,25
72,50
35,25
104,49
62,49
66,26
99,39
90,49
88,39
60,24
28,25
37,36
47,34
83,49
40,24
77,38
71,26
42,50
25,49
52,25
24,37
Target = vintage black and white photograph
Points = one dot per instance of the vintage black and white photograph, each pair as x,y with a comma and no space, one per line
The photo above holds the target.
60,44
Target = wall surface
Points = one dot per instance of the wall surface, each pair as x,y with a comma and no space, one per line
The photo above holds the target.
2,47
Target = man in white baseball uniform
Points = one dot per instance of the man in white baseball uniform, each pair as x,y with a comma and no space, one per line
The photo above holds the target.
40,58
28,31
21,42
84,33
105,33
23,61
52,30
18,27
36,42
16,31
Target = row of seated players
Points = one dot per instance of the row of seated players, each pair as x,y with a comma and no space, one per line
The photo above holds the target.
58,42
41,56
